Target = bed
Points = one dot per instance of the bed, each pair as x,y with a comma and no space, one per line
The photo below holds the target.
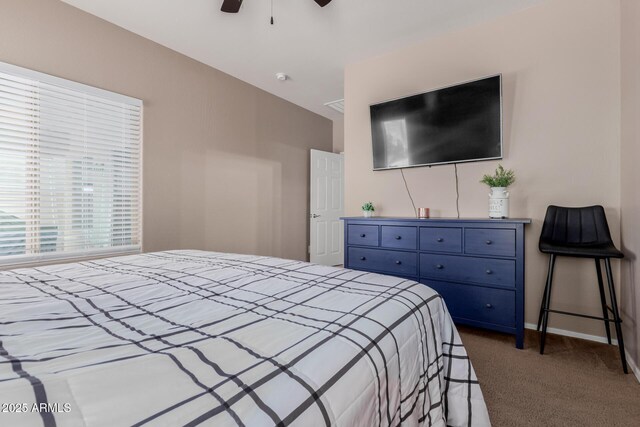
204,338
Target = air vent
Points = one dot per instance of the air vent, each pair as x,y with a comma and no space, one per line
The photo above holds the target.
336,105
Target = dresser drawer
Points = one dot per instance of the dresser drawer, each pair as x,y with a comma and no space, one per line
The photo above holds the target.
497,272
366,235
490,241
441,239
399,237
477,303
383,261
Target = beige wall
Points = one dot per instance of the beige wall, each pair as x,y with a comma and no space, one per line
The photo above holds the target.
630,176
338,135
561,69
225,164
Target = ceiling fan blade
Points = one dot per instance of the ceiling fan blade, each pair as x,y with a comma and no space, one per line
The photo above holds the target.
231,6
323,3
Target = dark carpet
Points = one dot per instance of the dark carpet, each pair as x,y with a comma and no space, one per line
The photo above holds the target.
575,383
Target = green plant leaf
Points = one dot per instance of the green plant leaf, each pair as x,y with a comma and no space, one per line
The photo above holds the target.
368,207
501,178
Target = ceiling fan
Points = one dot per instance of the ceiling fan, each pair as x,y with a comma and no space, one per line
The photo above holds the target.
233,6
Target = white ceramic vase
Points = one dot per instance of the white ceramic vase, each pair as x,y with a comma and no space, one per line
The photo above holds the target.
499,202
367,214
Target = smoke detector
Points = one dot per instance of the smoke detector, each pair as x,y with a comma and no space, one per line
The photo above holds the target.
282,77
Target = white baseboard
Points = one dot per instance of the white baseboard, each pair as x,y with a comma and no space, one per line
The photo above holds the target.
572,334
632,365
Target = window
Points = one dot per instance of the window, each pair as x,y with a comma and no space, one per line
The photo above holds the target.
70,169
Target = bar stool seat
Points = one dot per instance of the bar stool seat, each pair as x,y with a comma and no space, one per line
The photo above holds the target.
581,251
582,233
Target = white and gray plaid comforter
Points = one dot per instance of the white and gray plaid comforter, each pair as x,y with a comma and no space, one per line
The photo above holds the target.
192,337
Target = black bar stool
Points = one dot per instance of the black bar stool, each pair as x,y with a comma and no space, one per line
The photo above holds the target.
583,233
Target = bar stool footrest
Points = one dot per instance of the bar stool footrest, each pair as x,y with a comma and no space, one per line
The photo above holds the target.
566,313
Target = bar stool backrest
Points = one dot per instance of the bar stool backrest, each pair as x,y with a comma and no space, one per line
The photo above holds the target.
584,226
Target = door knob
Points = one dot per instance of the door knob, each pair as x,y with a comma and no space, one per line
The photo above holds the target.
363,258
489,306
315,216
439,239
439,266
489,272
488,242
398,262
398,237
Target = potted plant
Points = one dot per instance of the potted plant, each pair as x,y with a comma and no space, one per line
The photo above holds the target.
368,210
499,196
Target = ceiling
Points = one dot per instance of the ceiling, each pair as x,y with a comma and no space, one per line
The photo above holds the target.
310,44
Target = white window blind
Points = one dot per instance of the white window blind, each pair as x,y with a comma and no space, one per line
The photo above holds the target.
70,169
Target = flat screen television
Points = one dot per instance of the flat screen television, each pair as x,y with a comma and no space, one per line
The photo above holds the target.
461,123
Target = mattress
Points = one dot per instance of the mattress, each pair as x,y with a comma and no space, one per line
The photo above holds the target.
204,338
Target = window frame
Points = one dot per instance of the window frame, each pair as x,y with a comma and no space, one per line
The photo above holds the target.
13,261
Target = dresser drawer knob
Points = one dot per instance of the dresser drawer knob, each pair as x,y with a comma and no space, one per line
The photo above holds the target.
488,242
363,258
363,235
439,266
489,306
398,262
440,240
489,272
398,237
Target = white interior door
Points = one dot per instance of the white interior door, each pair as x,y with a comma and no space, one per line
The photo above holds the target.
327,206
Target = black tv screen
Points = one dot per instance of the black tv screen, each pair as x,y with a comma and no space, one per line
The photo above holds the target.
455,124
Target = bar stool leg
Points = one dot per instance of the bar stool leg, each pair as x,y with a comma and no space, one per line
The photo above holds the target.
616,314
547,302
603,300
546,289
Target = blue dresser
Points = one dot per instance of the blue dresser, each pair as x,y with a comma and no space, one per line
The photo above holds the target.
477,265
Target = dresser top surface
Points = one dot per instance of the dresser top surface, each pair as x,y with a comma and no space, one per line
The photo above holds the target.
427,220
